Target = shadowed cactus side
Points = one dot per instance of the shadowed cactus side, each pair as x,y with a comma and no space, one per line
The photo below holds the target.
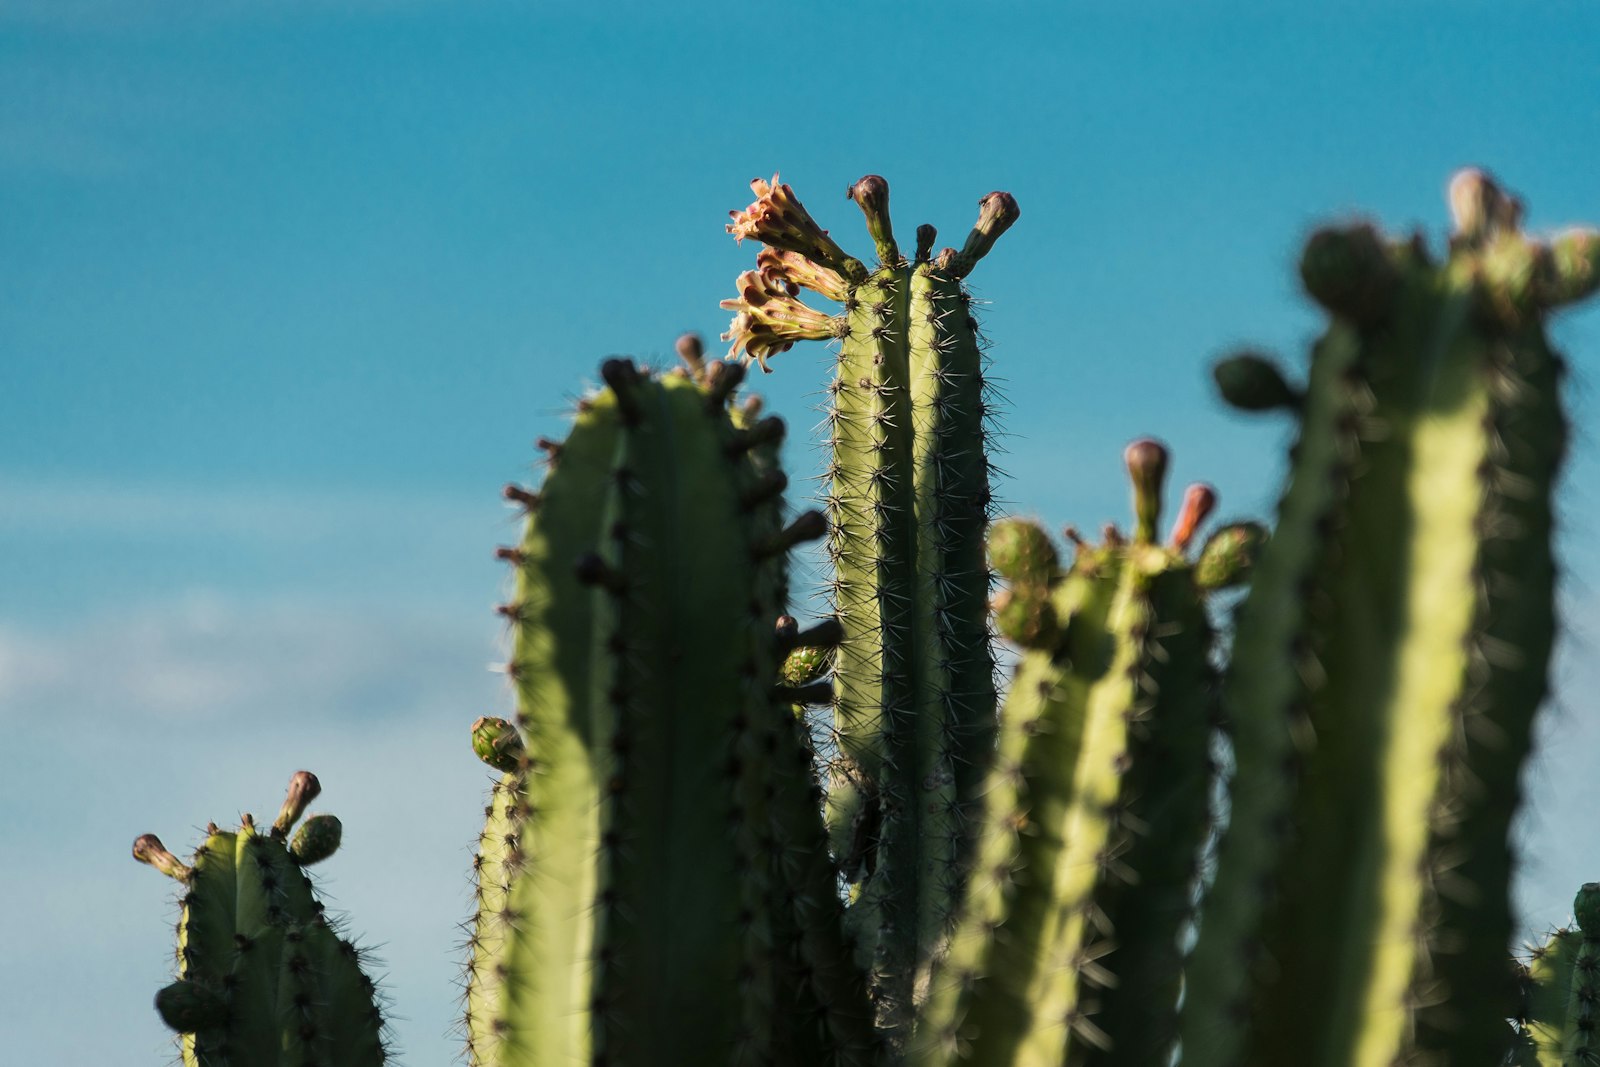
907,503
263,979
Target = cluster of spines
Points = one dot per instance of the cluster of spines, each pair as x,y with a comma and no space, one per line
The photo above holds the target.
1558,1024
665,511
1096,809
907,503
263,977
1391,656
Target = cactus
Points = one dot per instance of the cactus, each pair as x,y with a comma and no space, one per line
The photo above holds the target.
661,879
262,978
908,498
652,873
1390,656
1068,950
1559,1025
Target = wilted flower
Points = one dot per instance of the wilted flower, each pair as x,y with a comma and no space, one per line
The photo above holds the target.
796,269
778,219
770,319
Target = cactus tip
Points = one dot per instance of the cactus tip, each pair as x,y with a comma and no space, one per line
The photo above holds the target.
871,194
1348,271
1199,501
693,353
303,789
496,742
1479,207
1250,381
147,848
1147,469
316,840
188,1007
1586,909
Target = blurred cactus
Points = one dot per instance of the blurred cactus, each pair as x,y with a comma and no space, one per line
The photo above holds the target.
661,880
1389,659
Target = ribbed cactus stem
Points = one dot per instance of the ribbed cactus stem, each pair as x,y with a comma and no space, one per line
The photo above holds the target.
1387,665
907,503
1068,949
635,897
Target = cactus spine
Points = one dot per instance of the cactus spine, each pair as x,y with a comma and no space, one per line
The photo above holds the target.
263,980
1390,658
1559,1025
660,820
1068,950
907,501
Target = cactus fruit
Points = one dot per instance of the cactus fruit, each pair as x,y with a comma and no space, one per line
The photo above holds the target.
1068,948
1559,1025
263,979
1389,659
653,874
908,498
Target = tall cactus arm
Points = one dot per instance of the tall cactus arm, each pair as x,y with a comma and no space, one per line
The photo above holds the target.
1068,950
1424,636
653,847
907,501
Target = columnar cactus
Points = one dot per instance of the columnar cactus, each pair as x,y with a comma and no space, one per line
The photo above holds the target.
660,879
263,981
653,880
1391,655
908,498
1068,949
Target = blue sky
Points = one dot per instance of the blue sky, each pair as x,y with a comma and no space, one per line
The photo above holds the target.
285,297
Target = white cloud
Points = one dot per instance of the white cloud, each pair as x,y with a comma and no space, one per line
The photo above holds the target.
209,657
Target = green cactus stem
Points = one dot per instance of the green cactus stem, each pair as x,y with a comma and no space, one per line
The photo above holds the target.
907,502
653,885
1559,1025
1068,949
263,980
1389,660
